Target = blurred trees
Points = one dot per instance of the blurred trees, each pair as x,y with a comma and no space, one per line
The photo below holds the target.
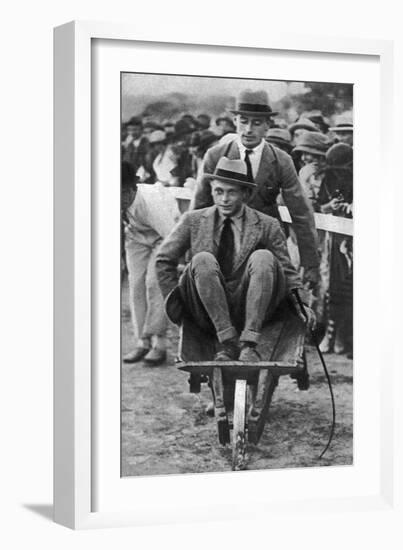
330,98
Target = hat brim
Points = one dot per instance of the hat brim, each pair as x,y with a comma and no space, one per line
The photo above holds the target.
294,127
250,185
341,129
259,114
159,142
174,307
279,141
225,119
303,149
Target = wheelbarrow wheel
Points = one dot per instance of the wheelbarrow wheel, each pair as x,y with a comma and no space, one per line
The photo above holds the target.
239,427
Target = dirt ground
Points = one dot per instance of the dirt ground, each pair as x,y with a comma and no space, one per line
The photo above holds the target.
165,429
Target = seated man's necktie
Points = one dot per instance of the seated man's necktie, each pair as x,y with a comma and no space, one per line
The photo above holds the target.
225,252
249,172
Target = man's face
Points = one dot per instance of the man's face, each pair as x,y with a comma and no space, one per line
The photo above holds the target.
251,129
157,148
345,137
310,158
134,130
228,197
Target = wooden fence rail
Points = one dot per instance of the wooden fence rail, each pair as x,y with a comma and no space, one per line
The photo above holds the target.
327,222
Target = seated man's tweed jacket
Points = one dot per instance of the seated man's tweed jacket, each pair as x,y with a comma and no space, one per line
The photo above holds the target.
194,233
276,174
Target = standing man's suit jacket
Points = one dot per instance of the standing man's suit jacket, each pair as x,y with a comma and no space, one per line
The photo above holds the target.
276,174
195,232
137,156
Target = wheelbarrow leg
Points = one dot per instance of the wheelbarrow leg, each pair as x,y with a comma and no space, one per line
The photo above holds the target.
259,410
219,406
239,421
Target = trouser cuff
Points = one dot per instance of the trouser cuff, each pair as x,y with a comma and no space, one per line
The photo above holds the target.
226,334
249,336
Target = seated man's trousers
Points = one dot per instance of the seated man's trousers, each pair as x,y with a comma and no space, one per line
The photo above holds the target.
234,307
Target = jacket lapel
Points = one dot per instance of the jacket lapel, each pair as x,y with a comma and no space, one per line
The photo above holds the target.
251,236
265,170
233,151
204,239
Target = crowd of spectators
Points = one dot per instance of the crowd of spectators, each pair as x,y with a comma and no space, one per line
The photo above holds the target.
172,152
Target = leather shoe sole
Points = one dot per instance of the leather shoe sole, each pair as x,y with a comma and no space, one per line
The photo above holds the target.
155,357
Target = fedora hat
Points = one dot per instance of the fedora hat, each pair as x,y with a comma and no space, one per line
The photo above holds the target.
134,121
158,136
231,171
343,123
174,306
279,136
225,117
183,127
313,142
317,118
302,124
253,103
206,139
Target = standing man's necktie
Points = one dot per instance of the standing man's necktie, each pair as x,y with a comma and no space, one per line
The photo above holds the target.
249,172
225,252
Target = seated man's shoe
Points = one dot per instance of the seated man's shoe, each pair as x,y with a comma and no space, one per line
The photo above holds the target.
155,356
136,355
249,354
227,351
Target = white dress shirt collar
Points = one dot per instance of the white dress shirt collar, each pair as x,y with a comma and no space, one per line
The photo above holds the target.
254,157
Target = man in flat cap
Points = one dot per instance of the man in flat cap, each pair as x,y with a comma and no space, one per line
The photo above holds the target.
239,271
135,146
225,125
273,172
299,128
343,129
281,138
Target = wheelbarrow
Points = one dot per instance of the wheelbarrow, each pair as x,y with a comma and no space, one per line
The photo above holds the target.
242,392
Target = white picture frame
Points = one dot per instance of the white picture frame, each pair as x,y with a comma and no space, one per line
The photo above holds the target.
76,470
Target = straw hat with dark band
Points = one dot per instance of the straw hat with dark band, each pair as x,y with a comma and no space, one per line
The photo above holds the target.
231,171
342,128
252,103
158,136
344,123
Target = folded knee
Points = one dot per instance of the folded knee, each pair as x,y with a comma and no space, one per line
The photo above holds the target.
203,260
262,259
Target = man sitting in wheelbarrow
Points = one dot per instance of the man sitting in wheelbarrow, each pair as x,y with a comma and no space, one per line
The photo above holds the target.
239,271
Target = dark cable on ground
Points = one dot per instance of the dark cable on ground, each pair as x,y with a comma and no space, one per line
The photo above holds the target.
302,306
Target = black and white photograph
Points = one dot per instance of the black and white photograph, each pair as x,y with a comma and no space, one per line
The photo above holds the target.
236,274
